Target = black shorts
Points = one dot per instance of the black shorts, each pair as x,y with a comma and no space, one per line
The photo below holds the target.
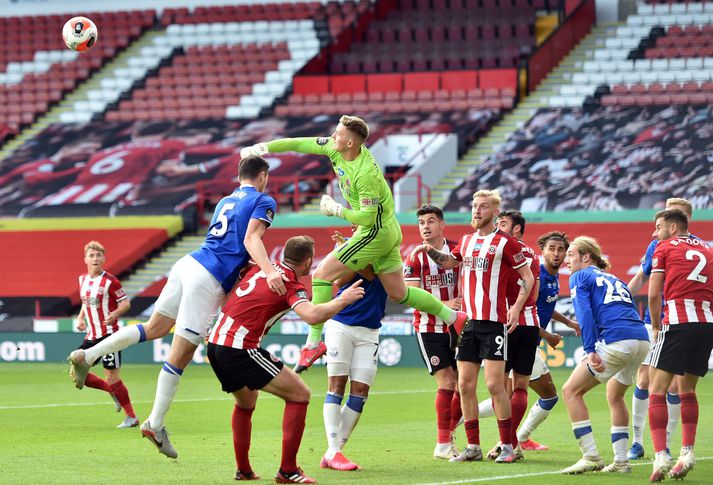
482,340
238,368
438,350
522,344
110,361
683,349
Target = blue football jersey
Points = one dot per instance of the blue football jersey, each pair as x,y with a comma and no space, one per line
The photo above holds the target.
604,308
368,311
547,298
223,252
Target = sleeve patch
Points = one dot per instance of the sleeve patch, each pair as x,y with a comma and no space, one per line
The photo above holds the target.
368,202
302,294
270,214
322,140
519,258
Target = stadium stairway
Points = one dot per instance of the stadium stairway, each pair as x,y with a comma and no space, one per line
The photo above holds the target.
159,266
121,60
570,65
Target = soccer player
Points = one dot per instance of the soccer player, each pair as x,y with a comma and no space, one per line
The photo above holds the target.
640,398
553,245
103,303
195,289
487,256
682,266
436,339
376,242
615,341
352,339
243,367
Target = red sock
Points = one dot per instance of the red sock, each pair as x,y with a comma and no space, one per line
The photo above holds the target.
122,394
689,418
444,397
518,403
242,430
293,425
472,432
97,382
505,429
456,411
658,419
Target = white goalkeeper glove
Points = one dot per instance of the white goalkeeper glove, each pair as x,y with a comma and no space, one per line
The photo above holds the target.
330,207
257,150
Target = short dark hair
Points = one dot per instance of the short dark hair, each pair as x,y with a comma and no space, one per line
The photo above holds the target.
298,249
556,235
251,167
676,216
429,209
516,217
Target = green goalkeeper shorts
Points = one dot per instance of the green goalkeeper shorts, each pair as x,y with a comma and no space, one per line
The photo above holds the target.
378,246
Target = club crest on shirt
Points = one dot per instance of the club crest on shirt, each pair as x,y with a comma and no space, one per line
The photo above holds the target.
492,249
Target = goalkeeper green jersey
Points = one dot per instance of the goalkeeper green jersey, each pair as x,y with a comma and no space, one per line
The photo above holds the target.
361,180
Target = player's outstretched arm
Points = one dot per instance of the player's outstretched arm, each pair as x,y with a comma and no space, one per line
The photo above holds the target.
314,314
258,253
316,146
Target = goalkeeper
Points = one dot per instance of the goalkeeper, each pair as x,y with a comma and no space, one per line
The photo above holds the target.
378,237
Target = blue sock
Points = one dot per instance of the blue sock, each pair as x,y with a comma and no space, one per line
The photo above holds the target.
142,332
172,370
673,398
641,393
332,398
356,403
548,404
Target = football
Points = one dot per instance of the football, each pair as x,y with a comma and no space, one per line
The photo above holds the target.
80,34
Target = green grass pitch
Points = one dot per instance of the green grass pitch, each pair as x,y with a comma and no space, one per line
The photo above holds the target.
53,433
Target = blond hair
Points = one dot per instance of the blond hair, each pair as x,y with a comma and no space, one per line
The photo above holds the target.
683,203
356,125
493,195
589,245
94,245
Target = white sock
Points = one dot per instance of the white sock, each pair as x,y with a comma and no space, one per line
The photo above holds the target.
485,408
351,412
673,402
125,337
585,438
168,380
639,413
535,417
332,421
620,441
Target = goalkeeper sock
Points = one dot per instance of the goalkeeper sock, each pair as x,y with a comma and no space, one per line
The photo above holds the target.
321,293
424,301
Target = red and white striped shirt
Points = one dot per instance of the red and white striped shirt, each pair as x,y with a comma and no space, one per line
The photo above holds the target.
252,308
442,283
487,261
687,264
100,296
528,315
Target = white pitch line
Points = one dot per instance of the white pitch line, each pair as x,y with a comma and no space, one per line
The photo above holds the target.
205,399
533,474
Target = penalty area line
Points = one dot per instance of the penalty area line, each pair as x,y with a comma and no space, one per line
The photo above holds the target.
527,475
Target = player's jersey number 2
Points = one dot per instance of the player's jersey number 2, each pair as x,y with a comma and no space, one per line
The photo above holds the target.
222,220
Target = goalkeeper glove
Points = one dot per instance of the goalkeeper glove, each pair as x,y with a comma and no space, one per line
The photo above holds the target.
257,150
330,207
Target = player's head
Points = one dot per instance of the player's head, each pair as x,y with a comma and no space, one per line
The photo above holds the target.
670,223
485,207
254,171
94,256
681,204
430,222
554,247
77,150
151,130
299,254
512,222
350,134
585,251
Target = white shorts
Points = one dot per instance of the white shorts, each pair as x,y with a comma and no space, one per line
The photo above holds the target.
191,297
351,351
621,360
539,367
647,360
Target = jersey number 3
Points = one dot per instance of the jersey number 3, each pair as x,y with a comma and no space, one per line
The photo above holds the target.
222,219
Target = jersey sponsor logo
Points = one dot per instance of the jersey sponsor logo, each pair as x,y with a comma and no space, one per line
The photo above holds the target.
435,360
438,280
302,294
322,140
477,247
552,298
482,264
